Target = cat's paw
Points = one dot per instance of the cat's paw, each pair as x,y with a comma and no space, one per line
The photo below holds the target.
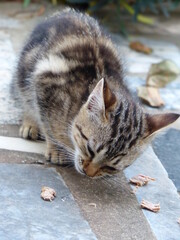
53,155
29,132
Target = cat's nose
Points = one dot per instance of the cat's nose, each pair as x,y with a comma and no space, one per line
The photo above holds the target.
90,169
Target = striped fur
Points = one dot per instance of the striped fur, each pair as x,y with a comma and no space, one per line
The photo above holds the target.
69,78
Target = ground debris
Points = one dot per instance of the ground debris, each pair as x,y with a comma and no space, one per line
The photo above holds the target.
140,47
162,73
92,204
141,180
48,194
150,206
150,95
28,13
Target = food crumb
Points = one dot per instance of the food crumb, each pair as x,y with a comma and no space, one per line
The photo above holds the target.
48,194
150,206
141,180
92,204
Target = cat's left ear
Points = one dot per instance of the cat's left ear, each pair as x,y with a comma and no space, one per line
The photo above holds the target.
102,99
158,121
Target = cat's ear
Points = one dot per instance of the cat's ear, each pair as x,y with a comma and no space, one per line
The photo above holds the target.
102,99
159,121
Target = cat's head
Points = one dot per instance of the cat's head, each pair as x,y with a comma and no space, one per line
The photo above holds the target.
110,131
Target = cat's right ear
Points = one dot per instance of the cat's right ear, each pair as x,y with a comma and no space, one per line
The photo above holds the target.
95,102
101,100
158,121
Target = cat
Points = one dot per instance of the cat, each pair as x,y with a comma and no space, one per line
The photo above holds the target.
69,78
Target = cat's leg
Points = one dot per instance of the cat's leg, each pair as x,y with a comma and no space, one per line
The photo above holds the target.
29,128
57,154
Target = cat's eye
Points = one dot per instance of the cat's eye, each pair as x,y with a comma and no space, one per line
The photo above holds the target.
92,154
109,169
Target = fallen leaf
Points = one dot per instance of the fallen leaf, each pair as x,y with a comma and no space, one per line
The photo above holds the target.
150,95
48,194
139,47
150,206
162,73
141,180
29,13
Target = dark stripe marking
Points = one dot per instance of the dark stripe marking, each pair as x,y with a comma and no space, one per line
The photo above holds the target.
135,123
140,126
82,134
133,142
126,113
117,161
116,121
90,151
100,148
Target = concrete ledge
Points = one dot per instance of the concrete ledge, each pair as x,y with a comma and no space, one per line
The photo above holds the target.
164,223
24,215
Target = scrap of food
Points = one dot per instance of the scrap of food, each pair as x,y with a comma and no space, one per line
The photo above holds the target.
141,180
150,206
140,47
48,194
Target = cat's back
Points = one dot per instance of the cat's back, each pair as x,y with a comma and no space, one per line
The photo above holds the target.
69,45
62,27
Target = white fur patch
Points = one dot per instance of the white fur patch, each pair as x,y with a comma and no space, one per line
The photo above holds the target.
53,64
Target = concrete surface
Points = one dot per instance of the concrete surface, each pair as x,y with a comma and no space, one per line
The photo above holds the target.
167,148
24,215
162,190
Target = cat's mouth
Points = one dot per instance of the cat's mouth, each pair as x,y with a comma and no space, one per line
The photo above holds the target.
92,170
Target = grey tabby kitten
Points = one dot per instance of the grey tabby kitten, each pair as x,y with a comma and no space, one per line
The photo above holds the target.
69,78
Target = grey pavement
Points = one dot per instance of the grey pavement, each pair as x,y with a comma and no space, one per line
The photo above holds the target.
167,148
26,216
84,208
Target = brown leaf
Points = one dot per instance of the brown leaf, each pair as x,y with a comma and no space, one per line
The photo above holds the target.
141,180
151,96
162,73
139,47
48,194
28,13
150,206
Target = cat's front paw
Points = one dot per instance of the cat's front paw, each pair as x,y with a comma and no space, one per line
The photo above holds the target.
29,132
54,155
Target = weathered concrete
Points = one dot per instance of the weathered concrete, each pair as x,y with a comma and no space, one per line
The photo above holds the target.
167,148
109,206
164,223
8,112
24,215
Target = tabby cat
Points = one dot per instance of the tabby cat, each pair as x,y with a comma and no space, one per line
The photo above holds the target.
70,81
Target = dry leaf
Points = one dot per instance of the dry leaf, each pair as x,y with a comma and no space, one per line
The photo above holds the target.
162,73
141,180
29,13
151,96
139,47
48,194
150,206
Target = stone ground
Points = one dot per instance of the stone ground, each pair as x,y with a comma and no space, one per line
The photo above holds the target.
85,209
